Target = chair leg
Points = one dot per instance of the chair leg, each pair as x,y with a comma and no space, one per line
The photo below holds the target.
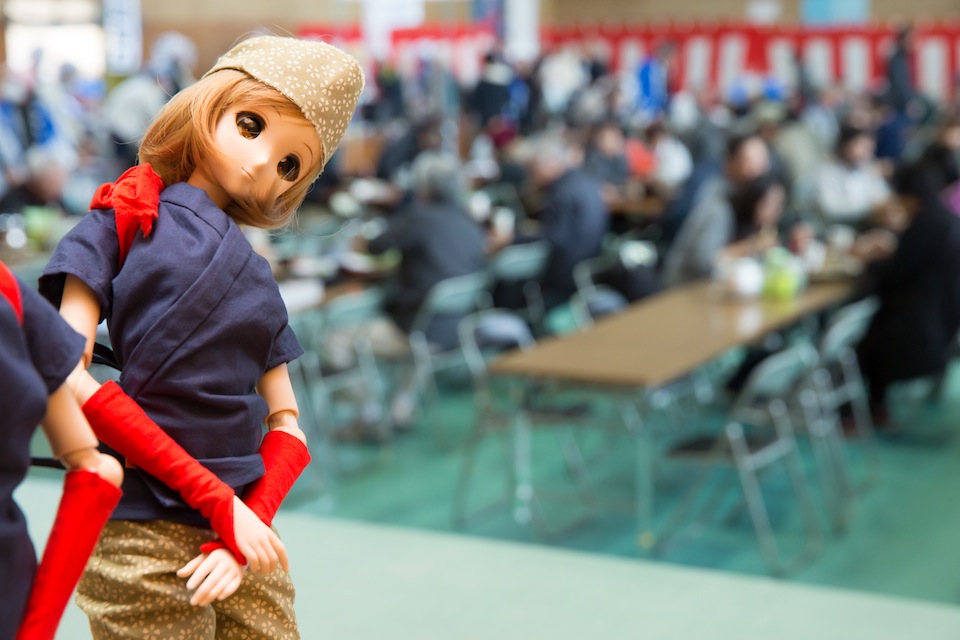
753,496
802,492
832,484
573,457
861,414
462,490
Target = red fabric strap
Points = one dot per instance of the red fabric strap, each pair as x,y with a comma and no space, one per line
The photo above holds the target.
122,425
284,459
10,290
135,200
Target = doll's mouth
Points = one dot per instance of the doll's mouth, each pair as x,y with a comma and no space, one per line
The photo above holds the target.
247,173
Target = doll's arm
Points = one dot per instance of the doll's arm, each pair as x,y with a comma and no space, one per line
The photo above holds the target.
121,424
73,441
90,493
275,388
284,449
81,309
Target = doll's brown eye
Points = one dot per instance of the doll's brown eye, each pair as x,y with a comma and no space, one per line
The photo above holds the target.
249,124
289,168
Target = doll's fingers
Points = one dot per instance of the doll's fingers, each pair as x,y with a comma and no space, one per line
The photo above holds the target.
207,591
231,588
281,550
253,559
198,576
225,586
191,566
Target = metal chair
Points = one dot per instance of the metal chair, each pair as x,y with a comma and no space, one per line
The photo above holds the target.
484,335
837,379
353,371
447,302
758,435
586,272
522,265
594,302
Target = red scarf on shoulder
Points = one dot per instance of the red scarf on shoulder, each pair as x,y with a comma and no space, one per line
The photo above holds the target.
135,199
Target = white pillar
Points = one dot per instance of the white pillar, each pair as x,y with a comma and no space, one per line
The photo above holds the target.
521,29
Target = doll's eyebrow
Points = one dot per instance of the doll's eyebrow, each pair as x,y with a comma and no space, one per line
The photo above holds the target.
309,150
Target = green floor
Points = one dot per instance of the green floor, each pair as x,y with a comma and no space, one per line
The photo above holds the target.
902,541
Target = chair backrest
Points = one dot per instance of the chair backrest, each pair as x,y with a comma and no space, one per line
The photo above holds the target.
487,334
777,375
586,271
504,194
595,302
520,262
454,296
352,309
846,328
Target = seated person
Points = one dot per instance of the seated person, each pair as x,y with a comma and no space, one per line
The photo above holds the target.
850,188
574,217
436,238
606,159
399,154
918,286
674,164
711,224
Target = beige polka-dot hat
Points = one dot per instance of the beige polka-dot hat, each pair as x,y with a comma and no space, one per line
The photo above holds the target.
322,80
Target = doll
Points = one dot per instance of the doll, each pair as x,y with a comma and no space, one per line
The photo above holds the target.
38,350
201,335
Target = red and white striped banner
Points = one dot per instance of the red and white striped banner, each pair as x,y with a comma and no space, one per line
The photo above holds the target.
712,56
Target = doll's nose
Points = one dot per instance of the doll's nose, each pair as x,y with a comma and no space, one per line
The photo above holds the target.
258,163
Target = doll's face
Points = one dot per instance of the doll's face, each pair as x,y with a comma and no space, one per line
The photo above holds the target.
265,152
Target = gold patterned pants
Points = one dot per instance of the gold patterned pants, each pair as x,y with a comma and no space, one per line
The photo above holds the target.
130,590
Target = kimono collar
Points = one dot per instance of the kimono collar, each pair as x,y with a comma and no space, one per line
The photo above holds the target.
135,199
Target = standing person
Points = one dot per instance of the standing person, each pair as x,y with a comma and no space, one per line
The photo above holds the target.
201,334
38,351
900,85
655,82
133,103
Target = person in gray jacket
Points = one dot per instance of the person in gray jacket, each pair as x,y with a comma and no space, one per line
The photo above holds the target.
710,225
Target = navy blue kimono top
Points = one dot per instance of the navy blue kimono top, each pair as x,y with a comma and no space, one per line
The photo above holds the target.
195,320
35,359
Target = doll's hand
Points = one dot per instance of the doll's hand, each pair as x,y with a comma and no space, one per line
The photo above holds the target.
215,576
256,541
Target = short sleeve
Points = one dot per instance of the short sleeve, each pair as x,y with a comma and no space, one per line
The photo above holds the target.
286,348
54,347
91,252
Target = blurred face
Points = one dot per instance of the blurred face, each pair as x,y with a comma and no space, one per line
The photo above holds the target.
770,206
859,150
750,162
951,138
264,152
609,141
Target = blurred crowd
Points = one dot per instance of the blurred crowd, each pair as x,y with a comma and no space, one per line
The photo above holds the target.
584,154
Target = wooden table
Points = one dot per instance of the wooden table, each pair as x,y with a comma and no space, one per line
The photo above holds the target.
651,344
664,337
647,207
